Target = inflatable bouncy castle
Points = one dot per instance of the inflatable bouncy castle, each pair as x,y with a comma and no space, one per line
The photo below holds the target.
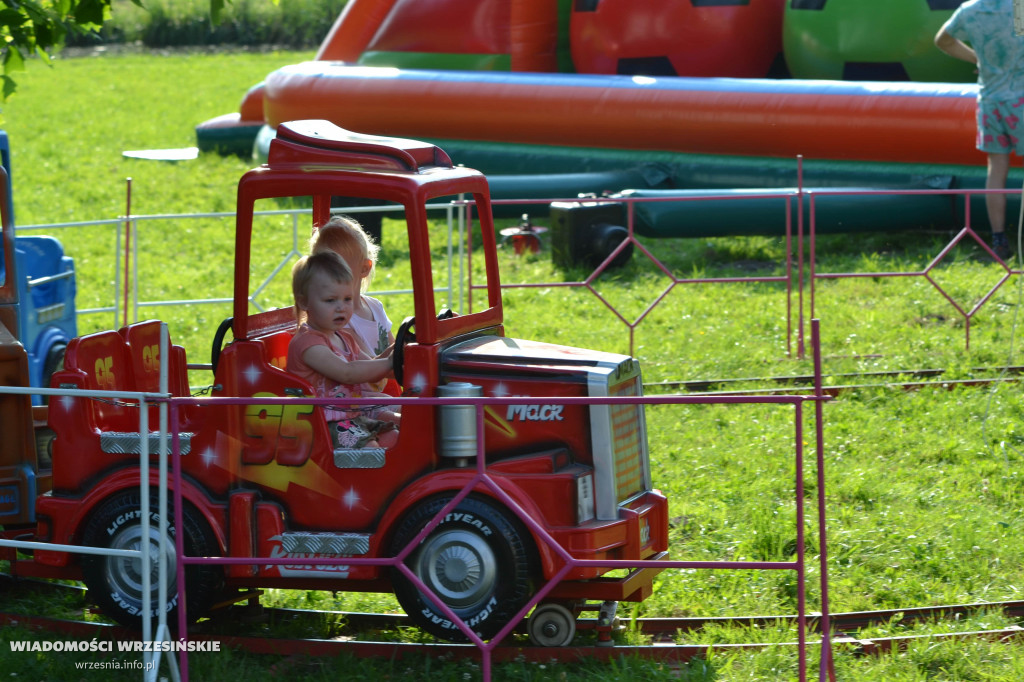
697,95
805,39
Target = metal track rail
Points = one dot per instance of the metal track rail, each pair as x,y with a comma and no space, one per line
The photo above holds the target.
661,628
907,379
662,631
671,653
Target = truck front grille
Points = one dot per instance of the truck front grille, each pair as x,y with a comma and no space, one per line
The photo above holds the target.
627,440
619,439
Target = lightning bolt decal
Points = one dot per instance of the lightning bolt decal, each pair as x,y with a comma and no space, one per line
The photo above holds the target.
493,419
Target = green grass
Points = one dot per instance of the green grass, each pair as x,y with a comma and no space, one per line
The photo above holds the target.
924,487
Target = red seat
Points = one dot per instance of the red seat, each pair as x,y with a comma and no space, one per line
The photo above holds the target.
275,348
143,339
100,362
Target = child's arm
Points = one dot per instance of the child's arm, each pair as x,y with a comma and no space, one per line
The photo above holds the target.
365,352
389,354
322,360
954,47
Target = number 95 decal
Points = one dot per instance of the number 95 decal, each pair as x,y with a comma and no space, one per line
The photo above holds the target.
281,432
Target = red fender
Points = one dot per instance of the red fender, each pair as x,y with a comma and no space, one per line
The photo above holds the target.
67,524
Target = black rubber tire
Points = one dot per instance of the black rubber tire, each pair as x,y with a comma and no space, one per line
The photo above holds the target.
44,447
115,582
54,363
478,541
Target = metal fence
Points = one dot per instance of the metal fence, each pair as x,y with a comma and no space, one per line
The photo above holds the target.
798,278
800,275
151,632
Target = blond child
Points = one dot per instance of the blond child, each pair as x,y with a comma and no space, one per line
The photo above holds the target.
325,353
346,237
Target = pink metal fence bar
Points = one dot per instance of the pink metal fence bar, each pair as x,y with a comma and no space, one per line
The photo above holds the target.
801,278
926,273
826,661
806,273
632,239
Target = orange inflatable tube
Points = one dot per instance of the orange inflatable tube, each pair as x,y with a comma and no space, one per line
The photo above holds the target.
354,29
835,120
532,29
533,34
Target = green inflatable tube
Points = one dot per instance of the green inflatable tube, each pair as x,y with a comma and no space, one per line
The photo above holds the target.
548,187
720,213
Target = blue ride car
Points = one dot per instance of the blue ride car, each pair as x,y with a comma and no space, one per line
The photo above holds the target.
46,295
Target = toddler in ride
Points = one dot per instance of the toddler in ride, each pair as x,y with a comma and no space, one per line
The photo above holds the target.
346,237
325,352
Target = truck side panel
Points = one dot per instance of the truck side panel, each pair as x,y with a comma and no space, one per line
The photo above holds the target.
18,483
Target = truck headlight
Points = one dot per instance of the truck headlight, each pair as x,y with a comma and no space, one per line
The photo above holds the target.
584,498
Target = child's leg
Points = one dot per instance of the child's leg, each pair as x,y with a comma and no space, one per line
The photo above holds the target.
336,428
382,427
384,411
388,439
350,433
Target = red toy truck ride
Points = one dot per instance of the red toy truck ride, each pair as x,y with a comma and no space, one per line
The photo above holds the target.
263,480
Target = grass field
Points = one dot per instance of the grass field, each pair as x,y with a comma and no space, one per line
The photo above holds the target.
923,487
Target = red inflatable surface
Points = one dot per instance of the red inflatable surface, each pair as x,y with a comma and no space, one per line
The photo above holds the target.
710,38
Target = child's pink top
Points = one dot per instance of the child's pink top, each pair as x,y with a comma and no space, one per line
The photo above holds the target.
342,344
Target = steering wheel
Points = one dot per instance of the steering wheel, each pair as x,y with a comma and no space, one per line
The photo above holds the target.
403,336
218,341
